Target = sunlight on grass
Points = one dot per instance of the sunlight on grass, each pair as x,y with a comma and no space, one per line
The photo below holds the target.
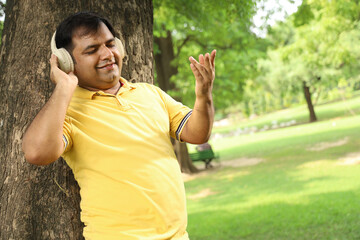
297,192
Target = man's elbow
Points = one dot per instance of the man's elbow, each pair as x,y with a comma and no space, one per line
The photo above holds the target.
196,139
38,158
203,140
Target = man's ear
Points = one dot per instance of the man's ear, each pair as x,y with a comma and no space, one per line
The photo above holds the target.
120,47
72,56
64,58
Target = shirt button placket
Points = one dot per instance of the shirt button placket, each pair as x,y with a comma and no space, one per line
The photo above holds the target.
122,102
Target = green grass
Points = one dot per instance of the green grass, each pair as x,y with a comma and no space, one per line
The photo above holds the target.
294,194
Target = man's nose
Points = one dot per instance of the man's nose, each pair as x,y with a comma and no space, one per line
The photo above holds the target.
105,52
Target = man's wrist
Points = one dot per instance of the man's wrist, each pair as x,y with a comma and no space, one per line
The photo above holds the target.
65,89
204,97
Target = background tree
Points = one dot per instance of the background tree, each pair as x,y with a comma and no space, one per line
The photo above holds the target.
43,202
312,52
182,29
324,58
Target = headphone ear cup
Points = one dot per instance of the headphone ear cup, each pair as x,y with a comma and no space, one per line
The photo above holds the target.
120,47
64,58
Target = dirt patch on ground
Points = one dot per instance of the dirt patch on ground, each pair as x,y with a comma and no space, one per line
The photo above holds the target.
325,145
350,159
188,177
202,194
240,162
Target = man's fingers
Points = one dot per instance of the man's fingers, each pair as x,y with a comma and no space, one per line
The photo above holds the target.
207,62
53,60
195,71
196,64
199,67
212,58
53,64
201,59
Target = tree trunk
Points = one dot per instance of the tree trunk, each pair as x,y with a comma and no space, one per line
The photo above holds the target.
310,105
164,68
43,202
183,157
164,71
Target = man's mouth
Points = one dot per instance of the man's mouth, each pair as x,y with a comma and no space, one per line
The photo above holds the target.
107,66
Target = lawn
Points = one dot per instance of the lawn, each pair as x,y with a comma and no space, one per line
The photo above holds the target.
306,186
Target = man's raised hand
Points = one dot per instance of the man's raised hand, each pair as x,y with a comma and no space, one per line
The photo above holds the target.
58,76
204,72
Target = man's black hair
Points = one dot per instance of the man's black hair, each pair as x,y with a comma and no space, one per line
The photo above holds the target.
90,21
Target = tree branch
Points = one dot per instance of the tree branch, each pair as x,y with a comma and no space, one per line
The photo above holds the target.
182,44
192,38
221,47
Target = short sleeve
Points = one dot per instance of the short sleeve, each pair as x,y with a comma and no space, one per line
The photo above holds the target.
179,114
67,134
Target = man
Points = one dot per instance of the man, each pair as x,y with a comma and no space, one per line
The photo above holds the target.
115,136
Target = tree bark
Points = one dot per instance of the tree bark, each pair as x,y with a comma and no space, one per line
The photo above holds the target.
164,71
163,60
310,105
183,158
43,202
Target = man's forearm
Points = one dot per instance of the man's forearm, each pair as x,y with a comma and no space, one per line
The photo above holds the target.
42,142
198,128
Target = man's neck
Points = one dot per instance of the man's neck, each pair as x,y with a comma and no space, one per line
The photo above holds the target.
113,90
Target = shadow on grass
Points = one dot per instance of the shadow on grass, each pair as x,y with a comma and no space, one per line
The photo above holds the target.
326,216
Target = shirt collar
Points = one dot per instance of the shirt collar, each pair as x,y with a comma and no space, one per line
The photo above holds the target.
87,94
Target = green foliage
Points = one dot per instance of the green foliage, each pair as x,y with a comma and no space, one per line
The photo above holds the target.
317,45
327,57
281,34
304,15
184,16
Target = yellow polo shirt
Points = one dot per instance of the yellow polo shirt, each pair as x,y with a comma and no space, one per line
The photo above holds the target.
119,149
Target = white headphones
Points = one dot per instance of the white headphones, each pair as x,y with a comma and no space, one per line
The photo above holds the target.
65,60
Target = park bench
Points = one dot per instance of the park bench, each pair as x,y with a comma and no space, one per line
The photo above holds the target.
206,156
